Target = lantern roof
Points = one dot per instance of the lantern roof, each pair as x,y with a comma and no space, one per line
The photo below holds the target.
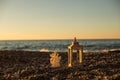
75,45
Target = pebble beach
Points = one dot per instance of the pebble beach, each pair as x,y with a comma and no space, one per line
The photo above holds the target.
33,65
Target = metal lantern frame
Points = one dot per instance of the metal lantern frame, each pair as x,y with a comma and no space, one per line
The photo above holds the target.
79,48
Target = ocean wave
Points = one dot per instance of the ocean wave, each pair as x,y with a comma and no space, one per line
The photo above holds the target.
44,50
103,50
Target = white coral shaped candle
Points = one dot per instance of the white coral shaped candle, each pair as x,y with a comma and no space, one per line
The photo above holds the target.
55,59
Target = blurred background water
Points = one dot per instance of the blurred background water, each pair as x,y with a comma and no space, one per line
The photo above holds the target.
60,45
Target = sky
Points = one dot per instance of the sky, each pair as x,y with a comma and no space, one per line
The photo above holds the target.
59,19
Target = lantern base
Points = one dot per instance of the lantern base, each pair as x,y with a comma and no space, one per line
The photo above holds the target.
69,65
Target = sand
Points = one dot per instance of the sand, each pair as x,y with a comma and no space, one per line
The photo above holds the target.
28,65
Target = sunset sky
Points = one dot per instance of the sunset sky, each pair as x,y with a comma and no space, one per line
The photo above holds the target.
59,19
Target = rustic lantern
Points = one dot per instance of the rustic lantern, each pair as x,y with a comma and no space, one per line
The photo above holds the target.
79,48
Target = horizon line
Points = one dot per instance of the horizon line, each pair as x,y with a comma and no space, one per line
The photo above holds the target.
61,39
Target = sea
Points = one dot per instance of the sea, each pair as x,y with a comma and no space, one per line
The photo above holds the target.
89,45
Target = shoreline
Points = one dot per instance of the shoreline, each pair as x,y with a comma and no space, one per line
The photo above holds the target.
35,65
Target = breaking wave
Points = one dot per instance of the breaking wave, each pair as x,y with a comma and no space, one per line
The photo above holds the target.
44,50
